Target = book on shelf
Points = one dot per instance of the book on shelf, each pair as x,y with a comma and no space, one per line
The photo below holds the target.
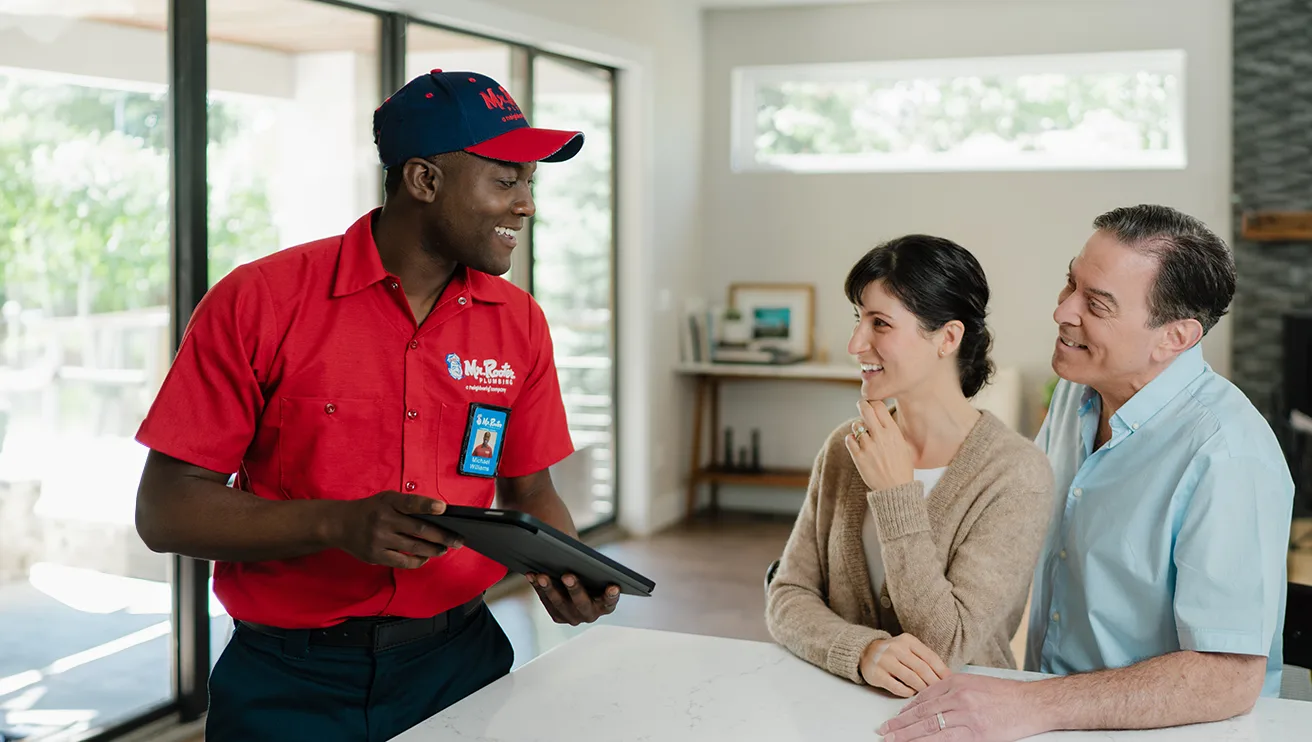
696,335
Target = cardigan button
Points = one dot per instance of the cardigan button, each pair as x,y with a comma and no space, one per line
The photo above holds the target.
884,601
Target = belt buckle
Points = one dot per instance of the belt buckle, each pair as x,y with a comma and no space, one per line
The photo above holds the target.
387,636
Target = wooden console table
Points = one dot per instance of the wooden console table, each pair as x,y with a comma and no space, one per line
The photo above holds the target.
708,377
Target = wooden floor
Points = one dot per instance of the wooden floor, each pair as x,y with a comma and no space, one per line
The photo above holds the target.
1300,558
709,580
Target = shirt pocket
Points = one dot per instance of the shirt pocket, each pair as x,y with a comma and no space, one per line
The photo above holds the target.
452,486
331,448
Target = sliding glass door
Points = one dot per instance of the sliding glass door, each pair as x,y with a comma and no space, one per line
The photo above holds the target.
85,629
573,263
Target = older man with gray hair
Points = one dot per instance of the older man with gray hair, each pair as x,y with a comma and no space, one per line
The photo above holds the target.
1160,594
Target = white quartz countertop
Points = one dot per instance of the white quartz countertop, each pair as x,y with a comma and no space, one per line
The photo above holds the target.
617,684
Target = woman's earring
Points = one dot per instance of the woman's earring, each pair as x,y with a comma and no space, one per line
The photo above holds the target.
940,352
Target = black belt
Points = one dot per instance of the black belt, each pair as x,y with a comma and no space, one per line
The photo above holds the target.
375,633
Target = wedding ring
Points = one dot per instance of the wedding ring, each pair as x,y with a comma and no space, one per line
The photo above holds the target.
860,431
941,723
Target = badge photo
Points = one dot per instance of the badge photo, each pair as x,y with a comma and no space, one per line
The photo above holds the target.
485,433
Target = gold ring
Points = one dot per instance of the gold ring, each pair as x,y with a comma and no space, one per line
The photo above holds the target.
860,431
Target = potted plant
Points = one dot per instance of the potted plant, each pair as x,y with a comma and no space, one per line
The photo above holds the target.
734,330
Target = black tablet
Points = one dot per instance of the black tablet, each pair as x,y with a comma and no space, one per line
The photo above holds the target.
525,544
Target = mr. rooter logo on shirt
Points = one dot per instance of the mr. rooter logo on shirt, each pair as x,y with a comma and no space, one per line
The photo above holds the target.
484,376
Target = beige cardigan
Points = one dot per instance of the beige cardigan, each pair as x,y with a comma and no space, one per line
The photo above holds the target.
958,563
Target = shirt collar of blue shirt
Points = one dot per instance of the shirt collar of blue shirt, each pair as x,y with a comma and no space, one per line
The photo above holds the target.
1153,397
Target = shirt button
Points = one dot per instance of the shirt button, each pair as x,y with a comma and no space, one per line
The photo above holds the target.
1056,617
393,285
414,344
1134,426
330,408
461,301
1078,492
884,601
1062,554
412,414
410,486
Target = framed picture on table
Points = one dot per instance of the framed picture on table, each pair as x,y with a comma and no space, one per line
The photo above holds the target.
781,316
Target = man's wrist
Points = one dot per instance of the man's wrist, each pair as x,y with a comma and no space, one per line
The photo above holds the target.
1046,714
326,524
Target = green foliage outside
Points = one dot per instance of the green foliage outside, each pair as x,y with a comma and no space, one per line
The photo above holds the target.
938,115
84,199
84,210
572,250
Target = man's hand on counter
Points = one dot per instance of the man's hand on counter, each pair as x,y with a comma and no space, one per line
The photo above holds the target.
967,707
567,601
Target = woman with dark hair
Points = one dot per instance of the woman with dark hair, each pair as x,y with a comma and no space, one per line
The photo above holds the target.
914,550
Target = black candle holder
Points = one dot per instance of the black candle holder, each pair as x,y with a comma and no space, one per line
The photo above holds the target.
744,458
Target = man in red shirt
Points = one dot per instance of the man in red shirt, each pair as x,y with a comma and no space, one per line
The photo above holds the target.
340,381
484,449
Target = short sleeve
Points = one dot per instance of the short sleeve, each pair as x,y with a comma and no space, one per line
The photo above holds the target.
206,410
537,435
1230,557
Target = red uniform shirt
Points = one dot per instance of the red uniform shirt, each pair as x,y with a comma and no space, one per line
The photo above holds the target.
304,372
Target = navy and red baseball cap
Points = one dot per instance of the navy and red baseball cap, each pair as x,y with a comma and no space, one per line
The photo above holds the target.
463,111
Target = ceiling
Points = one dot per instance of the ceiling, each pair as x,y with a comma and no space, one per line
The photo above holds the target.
281,25
779,3
292,26
295,26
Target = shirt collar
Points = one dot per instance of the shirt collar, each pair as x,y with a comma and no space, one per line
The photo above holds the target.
359,266
1087,398
1149,400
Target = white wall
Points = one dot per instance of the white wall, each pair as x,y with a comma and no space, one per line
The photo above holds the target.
1024,227
656,46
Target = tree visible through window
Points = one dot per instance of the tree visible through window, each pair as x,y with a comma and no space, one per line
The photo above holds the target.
834,120
84,225
573,264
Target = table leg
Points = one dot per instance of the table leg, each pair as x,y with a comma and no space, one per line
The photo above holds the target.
695,466
715,442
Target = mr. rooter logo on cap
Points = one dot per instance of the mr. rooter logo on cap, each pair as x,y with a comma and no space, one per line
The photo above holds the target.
499,99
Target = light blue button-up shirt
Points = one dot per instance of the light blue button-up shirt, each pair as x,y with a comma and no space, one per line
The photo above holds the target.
1173,535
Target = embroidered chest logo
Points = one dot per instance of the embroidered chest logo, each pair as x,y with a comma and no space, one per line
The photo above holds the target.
482,376
453,366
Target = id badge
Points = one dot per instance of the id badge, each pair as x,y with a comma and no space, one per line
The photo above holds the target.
484,438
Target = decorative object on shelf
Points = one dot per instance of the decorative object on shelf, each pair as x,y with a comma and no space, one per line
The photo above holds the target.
781,317
735,331
734,342
1277,226
748,459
